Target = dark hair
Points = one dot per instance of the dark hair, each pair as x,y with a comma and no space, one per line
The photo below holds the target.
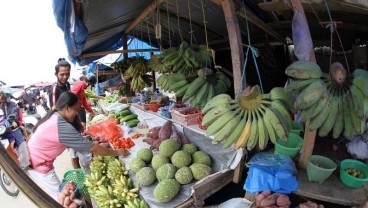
66,99
61,63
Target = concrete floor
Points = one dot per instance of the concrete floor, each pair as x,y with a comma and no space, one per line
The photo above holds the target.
62,164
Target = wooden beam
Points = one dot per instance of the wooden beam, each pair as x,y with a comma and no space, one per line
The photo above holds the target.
237,53
333,5
148,10
260,24
117,51
309,136
125,45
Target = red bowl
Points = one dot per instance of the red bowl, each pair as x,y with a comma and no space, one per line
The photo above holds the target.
153,106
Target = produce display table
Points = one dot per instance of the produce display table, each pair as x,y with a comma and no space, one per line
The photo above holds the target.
225,162
332,190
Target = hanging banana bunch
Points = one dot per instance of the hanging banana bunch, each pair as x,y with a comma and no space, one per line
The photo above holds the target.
137,71
251,120
156,64
334,102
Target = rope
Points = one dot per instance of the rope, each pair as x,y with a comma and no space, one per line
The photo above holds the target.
333,27
255,52
205,24
148,32
177,14
159,41
168,22
190,23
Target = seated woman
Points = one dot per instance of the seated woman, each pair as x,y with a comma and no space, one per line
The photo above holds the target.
52,135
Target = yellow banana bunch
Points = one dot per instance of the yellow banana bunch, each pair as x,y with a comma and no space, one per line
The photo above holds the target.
336,103
249,121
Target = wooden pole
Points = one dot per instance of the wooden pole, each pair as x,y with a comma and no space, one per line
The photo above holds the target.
125,45
309,136
143,15
237,53
124,51
24,183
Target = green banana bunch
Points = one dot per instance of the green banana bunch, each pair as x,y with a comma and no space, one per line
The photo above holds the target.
156,64
115,169
141,81
94,180
104,197
98,165
335,103
250,121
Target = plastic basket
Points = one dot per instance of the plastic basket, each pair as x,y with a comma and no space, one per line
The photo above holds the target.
352,181
290,147
78,176
319,168
297,128
190,119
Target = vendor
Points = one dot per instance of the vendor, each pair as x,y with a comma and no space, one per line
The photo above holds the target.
52,135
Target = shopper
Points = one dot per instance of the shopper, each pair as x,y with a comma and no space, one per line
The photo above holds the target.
11,113
52,135
78,88
62,73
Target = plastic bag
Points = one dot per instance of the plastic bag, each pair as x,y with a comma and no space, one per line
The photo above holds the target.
303,45
272,172
106,130
358,148
126,128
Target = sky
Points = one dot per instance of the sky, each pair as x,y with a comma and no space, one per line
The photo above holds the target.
30,42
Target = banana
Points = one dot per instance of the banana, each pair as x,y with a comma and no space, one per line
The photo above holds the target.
279,106
278,93
361,82
277,125
221,121
194,86
262,132
303,70
202,93
298,85
310,94
178,85
330,120
339,122
357,122
235,134
253,137
317,121
210,95
227,129
318,106
348,122
217,112
180,92
216,101
358,99
268,127
244,136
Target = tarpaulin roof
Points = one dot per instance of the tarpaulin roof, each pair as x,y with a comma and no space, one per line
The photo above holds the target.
99,25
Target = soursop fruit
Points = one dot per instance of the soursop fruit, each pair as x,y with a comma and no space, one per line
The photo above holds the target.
168,147
200,170
145,176
136,164
181,159
184,175
145,154
166,190
190,148
201,157
159,160
166,171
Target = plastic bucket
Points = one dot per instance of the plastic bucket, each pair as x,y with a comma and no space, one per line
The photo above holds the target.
297,128
319,168
350,180
290,147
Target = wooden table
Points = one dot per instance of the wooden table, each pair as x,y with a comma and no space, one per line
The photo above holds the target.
332,190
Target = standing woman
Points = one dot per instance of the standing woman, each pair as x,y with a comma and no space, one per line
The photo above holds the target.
52,135
62,73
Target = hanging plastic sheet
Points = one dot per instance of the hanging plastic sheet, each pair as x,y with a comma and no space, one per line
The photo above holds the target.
303,45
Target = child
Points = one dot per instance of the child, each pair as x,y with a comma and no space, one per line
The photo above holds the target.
8,133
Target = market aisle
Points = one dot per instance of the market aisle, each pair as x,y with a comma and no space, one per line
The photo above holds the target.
62,164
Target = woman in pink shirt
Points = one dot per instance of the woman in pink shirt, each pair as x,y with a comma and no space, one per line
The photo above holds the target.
52,135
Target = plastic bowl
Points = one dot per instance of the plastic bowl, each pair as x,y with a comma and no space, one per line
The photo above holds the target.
290,147
349,180
297,128
153,106
319,168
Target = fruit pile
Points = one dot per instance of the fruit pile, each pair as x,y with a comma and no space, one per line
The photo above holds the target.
125,115
122,142
336,102
110,185
200,90
172,167
354,172
254,118
267,199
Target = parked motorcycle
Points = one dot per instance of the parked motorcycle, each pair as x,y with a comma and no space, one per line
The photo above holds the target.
5,182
